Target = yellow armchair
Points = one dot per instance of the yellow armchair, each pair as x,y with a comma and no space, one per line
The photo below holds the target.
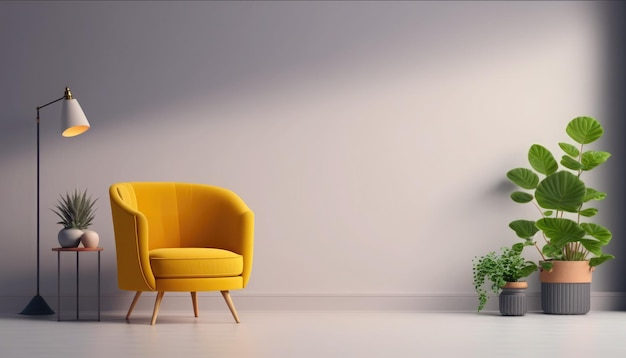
181,237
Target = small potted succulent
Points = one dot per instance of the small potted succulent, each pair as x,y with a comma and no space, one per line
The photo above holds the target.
506,271
76,211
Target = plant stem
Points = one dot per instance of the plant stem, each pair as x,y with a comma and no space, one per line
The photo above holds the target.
540,253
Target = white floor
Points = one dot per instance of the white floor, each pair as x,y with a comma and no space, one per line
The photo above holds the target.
317,334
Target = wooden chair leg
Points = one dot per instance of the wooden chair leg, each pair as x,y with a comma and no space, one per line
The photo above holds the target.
194,301
132,305
230,304
157,304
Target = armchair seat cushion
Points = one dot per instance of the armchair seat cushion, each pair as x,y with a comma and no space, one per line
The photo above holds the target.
195,263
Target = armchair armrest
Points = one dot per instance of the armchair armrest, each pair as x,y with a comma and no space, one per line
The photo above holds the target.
131,242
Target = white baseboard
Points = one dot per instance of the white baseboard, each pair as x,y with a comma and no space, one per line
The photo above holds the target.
212,301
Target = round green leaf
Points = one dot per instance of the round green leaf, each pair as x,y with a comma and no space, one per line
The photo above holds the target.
521,197
528,269
546,265
542,160
569,149
593,194
589,212
524,229
551,251
561,191
593,246
571,163
584,130
595,261
523,177
599,232
560,231
592,159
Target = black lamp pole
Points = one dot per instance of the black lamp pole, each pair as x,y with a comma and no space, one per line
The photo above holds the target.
37,305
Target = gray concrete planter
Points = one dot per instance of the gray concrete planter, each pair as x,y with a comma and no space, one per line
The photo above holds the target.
69,237
513,299
566,289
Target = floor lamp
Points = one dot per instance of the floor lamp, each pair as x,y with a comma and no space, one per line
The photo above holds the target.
73,122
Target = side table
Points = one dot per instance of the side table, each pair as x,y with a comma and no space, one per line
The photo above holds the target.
77,250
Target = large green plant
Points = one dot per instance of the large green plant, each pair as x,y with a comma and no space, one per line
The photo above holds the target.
562,198
508,266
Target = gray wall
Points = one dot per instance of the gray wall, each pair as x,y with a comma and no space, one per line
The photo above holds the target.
370,138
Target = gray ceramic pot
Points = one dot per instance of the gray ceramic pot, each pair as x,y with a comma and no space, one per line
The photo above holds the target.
513,299
566,289
69,237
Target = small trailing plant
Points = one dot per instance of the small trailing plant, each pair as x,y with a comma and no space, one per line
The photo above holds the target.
508,266
562,198
76,210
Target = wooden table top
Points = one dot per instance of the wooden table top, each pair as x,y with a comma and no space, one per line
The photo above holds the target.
77,249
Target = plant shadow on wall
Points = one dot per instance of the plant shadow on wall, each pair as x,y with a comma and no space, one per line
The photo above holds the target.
570,244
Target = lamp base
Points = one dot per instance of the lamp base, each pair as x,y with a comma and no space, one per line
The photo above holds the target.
37,307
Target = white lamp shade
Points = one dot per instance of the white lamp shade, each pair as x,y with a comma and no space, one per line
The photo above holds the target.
73,118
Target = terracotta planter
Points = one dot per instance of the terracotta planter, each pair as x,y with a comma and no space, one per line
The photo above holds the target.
566,288
513,299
